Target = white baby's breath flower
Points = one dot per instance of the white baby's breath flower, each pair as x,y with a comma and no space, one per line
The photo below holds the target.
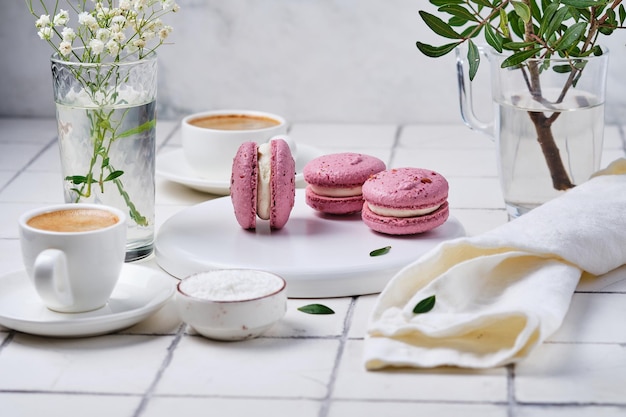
61,18
139,43
68,34
112,47
139,5
45,33
88,20
124,4
103,34
148,35
96,46
118,36
165,32
118,20
44,20
65,48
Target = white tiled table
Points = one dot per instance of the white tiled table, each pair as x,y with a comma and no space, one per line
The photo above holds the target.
306,365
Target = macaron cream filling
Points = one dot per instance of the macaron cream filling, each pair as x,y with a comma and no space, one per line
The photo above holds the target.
336,191
395,212
264,198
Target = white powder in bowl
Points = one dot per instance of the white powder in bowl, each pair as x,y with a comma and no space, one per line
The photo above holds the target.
231,285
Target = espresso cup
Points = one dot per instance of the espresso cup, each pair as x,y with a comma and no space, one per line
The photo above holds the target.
210,139
73,254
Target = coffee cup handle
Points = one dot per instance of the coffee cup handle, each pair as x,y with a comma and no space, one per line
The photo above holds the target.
51,278
292,144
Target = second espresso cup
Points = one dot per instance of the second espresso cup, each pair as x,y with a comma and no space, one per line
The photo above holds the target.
210,139
73,254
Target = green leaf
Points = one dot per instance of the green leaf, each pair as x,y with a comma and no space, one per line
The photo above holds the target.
425,305
557,19
571,36
113,175
562,69
516,46
438,26
493,38
458,11
504,23
316,309
436,51
522,10
547,16
139,129
519,57
445,2
76,179
585,3
381,251
483,3
473,59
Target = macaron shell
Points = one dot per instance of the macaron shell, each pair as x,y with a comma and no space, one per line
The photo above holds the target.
333,205
406,188
341,170
405,225
282,183
243,184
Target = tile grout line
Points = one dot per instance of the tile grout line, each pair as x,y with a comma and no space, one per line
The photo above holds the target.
510,400
147,396
29,163
325,406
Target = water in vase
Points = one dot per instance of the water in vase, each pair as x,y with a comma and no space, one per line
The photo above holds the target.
524,173
108,157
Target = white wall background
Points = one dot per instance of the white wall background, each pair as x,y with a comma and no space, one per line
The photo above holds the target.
309,60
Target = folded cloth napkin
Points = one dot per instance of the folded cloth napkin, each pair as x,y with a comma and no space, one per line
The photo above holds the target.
500,294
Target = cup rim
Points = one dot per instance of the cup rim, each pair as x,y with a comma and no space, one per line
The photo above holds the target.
24,217
185,121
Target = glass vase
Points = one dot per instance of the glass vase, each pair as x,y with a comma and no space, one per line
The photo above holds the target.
106,116
548,123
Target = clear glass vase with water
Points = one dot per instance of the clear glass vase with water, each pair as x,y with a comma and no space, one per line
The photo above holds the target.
548,124
106,116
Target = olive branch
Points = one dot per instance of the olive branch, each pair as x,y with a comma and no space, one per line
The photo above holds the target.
529,31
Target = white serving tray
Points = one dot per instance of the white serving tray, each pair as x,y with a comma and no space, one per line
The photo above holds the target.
319,256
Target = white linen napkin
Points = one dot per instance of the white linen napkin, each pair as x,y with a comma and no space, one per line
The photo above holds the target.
500,294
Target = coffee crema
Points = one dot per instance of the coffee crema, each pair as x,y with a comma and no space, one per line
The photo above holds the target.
73,220
234,122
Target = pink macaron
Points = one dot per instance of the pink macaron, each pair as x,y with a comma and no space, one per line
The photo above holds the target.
334,181
263,183
405,201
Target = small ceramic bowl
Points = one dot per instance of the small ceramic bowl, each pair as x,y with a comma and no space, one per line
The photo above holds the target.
231,304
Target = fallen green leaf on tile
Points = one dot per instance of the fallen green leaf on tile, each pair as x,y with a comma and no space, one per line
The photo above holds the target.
316,309
425,305
381,251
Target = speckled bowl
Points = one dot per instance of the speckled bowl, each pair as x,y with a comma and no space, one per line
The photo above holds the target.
231,304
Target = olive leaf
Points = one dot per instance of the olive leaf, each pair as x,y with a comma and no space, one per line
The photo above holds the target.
381,251
522,10
519,57
473,59
438,26
435,51
425,305
316,309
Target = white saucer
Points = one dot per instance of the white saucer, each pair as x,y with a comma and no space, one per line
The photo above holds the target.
318,256
174,167
140,292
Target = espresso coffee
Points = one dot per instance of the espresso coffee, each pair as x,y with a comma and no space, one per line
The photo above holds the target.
234,122
73,220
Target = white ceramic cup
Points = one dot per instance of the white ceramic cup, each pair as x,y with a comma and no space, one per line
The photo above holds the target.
210,151
73,267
